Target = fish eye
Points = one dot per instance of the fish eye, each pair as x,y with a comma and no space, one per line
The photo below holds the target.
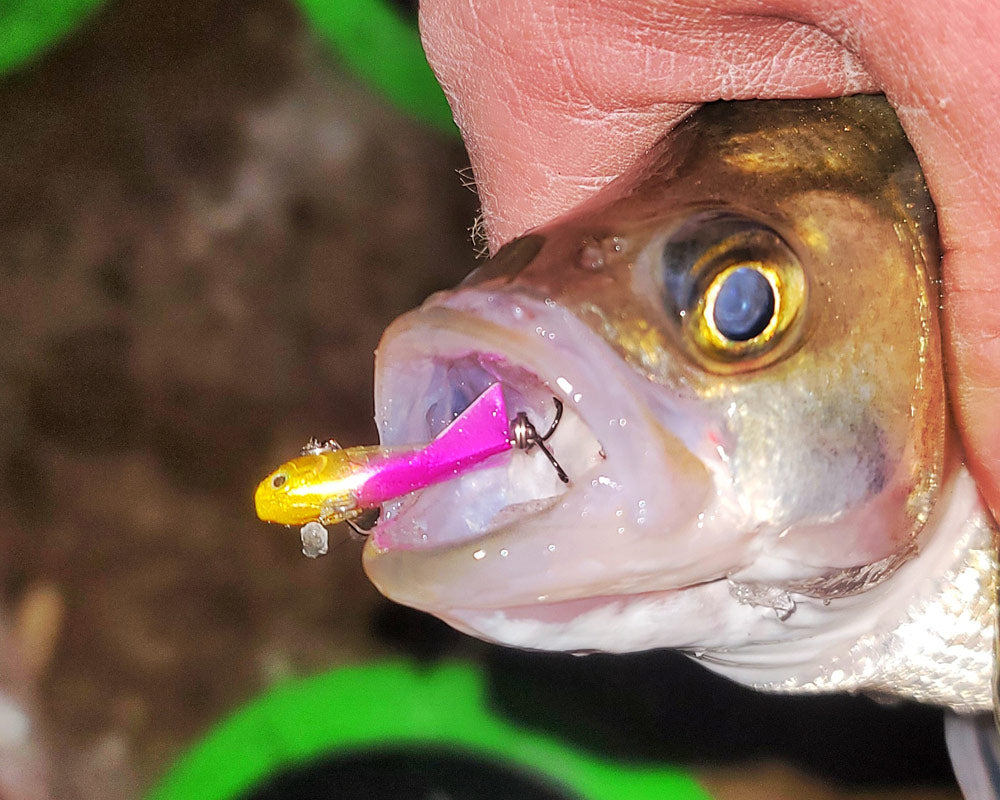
734,288
279,480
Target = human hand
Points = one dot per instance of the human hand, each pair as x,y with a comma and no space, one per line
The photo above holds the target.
555,98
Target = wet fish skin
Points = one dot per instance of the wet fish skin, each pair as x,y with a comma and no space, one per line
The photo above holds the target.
791,508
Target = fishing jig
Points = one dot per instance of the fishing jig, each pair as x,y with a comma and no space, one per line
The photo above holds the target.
327,484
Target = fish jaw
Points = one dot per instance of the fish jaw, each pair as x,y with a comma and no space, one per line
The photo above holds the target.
647,508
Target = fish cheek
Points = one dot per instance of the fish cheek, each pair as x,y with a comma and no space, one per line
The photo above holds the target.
806,463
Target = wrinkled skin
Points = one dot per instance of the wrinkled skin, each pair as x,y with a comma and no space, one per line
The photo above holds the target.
556,97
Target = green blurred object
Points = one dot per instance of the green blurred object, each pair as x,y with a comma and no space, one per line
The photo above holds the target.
374,38
389,705
379,43
30,27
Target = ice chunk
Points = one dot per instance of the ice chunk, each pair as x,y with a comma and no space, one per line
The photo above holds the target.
315,540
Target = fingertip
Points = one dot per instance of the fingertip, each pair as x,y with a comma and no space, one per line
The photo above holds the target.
973,336
981,434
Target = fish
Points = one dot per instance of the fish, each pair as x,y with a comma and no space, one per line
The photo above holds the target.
743,331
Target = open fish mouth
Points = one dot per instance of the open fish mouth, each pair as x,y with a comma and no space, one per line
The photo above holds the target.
444,371
511,533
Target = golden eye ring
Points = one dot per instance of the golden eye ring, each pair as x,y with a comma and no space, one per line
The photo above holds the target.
784,279
709,328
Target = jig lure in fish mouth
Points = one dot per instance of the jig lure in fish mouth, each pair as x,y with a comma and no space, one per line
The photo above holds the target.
328,484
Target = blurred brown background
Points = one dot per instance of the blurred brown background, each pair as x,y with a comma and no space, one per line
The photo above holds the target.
204,226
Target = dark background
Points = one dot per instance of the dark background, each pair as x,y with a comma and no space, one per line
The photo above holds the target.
204,226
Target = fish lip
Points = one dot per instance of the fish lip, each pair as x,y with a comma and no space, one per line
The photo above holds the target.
703,615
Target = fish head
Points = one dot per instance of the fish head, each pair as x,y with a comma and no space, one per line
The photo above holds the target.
315,486
742,331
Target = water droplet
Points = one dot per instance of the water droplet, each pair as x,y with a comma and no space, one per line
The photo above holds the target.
552,548
479,555
503,553
564,384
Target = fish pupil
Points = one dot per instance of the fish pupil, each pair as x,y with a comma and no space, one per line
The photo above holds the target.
278,481
744,305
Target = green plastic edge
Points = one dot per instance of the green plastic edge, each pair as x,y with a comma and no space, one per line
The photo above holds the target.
382,46
28,29
390,704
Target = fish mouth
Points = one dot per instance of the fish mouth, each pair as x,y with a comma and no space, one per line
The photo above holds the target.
508,487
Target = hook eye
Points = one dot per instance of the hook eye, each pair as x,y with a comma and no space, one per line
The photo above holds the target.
525,436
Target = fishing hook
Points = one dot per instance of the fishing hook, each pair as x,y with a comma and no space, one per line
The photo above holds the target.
524,436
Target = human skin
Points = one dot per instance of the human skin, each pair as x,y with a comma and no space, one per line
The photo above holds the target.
555,98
